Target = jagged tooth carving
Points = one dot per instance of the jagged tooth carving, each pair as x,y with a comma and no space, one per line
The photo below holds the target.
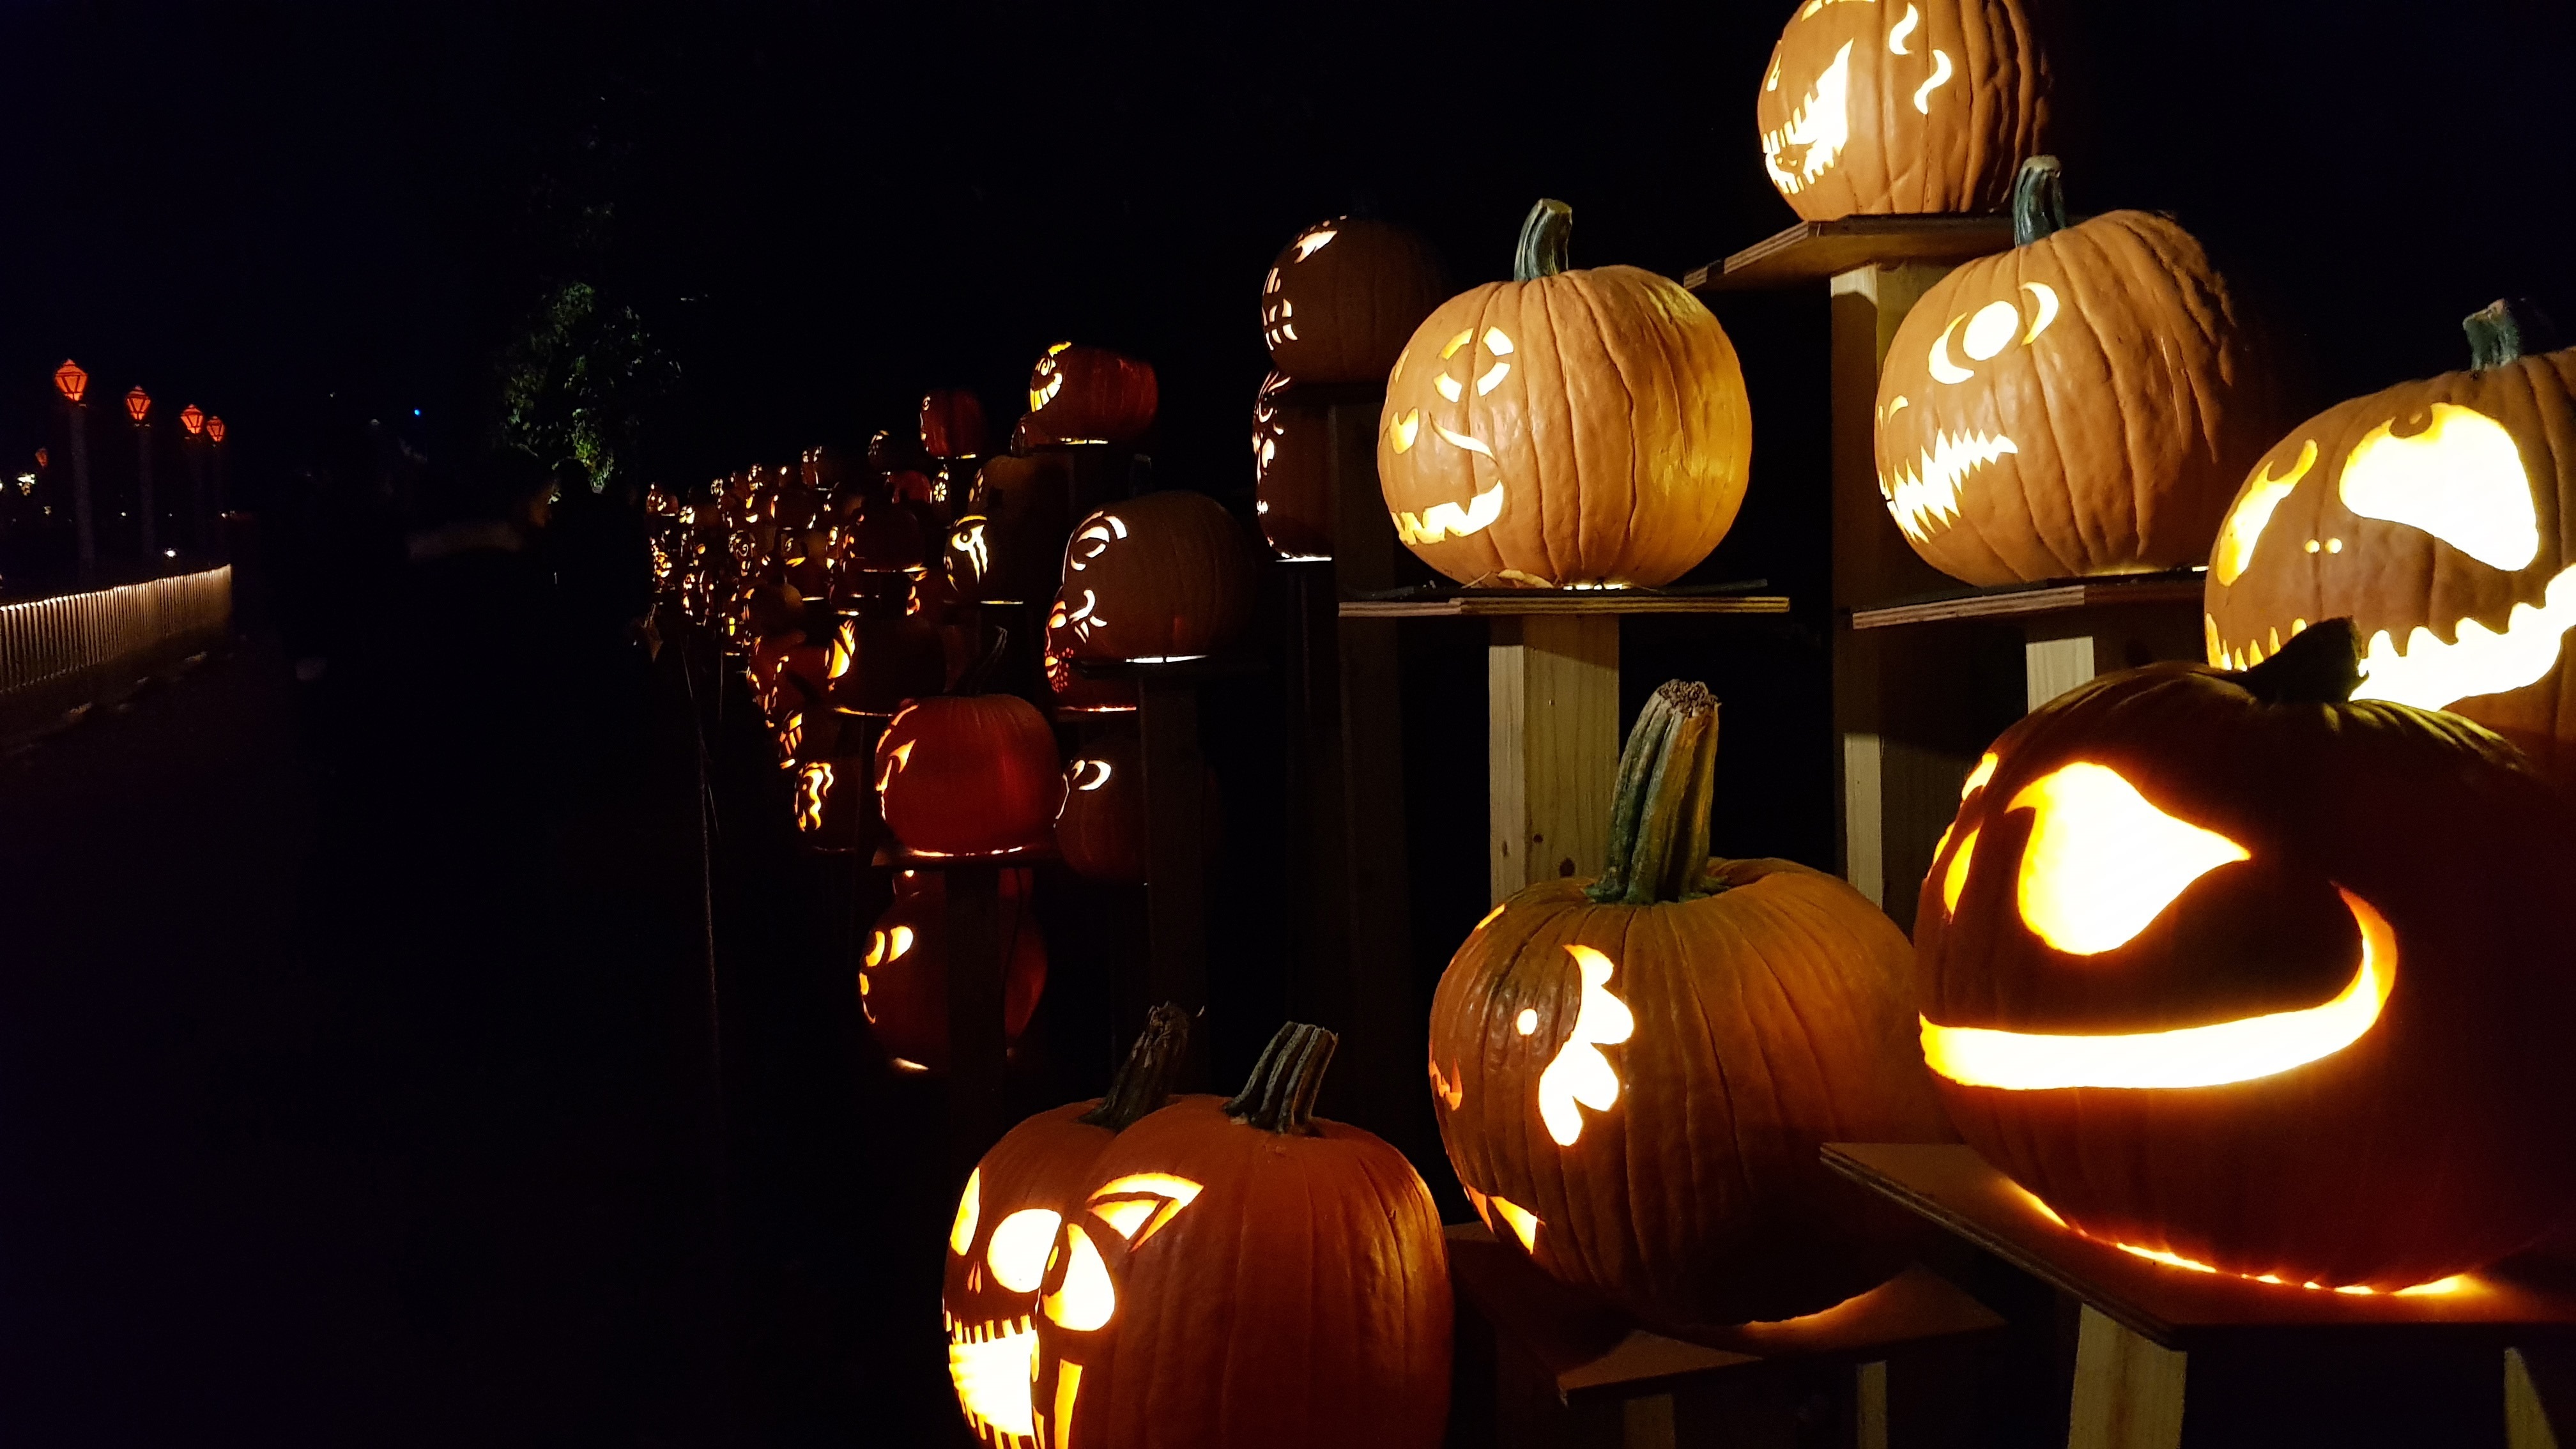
1925,497
1821,124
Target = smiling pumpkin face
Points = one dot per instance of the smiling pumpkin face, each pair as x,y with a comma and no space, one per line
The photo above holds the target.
2082,404
2207,958
1902,106
2435,516
1566,429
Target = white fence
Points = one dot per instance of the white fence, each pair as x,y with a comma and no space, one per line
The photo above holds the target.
47,639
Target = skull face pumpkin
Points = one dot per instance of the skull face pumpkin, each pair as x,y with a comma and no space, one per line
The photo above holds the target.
2435,515
1887,106
1162,577
1566,429
1292,486
2209,959
1340,300
2082,404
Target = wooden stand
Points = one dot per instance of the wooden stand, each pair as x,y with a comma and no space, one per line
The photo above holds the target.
1552,730
2265,1364
978,957
1567,1371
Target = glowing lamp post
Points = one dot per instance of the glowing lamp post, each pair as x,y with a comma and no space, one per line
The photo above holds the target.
200,523
138,406
215,438
73,383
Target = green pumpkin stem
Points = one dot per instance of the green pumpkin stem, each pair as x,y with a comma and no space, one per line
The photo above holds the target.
2320,665
1279,1096
1547,240
1144,1081
2506,330
2038,200
1660,807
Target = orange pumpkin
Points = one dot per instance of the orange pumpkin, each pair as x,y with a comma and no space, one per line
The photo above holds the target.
1634,1074
1165,576
1292,481
2226,968
1083,394
969,775
903,979
1565,429
2082,404
2437,516
1102,830
1881,106
952,423
1339,301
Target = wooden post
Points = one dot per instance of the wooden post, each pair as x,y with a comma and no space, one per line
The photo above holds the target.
978,1057
1167,725
2128,1390
1553,746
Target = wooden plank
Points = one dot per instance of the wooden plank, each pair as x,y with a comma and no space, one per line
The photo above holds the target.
1533,602
1812,251
1552,735
2021,601
2050,667
2128,1390
2176,1308
2534,1378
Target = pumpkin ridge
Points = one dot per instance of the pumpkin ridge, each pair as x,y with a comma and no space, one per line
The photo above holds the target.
1621,362
1587,546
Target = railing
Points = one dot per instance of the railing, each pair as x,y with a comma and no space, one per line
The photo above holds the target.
43,640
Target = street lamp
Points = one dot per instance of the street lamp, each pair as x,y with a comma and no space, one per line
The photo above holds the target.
138,406
73,384
192,419
201,526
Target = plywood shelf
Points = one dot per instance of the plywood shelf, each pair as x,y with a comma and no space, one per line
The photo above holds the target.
2023,601
1504,604
1813,251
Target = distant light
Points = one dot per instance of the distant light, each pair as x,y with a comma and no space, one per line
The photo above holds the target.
71,379
193,419
215,429
138,405
169,553
415,412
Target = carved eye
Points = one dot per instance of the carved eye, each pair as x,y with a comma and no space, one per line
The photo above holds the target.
970,1208
1086,1300
2461,480
1580,1073
2102,862
1990,330
1018,1252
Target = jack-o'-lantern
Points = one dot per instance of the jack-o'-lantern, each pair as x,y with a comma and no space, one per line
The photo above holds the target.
1101,832
1162,577
1565,429
834,806
2435,515
969,775
1083,394
1633,1074
2082,404
1008,545
882,537
903,978
1889,106
883,657
2236,973
1338,303
1009,1226
952,423
1292,480
892,451
1218,1234
1072,691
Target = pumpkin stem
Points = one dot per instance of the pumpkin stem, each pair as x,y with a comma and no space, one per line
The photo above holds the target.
1144,1081
2505,330
2039,200
1660,807
1279,1096
2320,665
1547,240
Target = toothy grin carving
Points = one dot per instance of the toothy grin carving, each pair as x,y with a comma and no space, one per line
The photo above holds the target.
1448,520
994,1366
1925,497
1821,126
2433,675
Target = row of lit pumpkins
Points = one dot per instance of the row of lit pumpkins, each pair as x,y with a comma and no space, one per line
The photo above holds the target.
2230,971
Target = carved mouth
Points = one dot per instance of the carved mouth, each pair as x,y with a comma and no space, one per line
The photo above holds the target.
995,1369
1448,520
1925,497
1817,131
2431,674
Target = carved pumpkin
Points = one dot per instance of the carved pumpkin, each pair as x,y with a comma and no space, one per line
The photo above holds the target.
1089,395
969,775
834,808
2082,404
881,536
2228,970
1244,1273
1633,1074
1101,833
952,423
903,978
1072,691
1338,303
1165,576
891,452
2435,516
883,658
1292,480
1008,546
1565,429
1009,1225
1880,106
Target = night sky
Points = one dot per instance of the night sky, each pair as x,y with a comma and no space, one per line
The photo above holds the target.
818,209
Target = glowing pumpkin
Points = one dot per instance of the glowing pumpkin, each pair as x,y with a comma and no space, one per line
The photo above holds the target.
2082,404
1565,428
883,657
1165,576
1292,481
834,808
2227,969
1633,1075
1882,106
1245,1273
969,775
903,978
1007,547
1101,833
1339,301
2435,516
1008,1230
952,423
1083,394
